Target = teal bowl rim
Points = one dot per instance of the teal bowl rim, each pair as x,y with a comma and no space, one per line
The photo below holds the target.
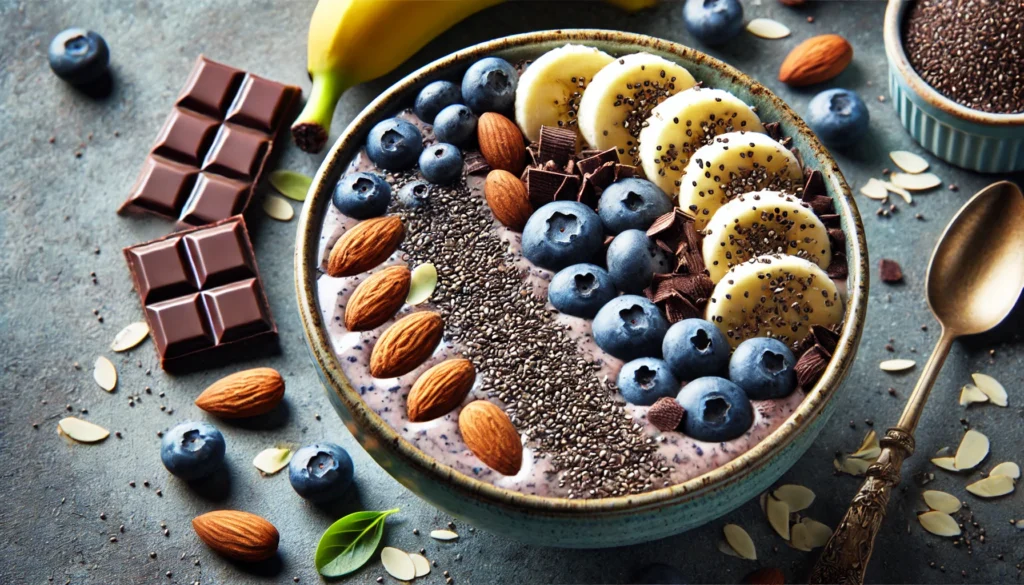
363,417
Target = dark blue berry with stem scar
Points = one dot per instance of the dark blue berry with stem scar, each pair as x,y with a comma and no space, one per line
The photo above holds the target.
630,327
435,97
78,56
414,194
362,195
562,233
658,574
632,204
490,86
394,144
441,163
764,368
456,125
643,381
320,472
716,409
696,348
633,259
713,22
838,116
581,290
192,450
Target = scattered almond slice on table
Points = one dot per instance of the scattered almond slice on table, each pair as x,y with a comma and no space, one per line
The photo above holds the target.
874,189
972,450
421,564
970,394
945,463
740,541
724,548
278,208
941,501
991,388
105,374
398,563
1007,468
870,448
272,460
899,191
82,431
897,365
809,534
858,462
992,486
797,497
778,516
130,336
921,182
443,535
767,28
908,161
939,523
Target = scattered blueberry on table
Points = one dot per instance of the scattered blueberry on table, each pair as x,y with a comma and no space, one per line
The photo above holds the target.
632,203
633,259
394,144
581,290
763,367
321,472
435,97
441,163
838,116
362,195
630,327
713,22
490,86
716,409
192,450
644,380
562,233
78,56
696,348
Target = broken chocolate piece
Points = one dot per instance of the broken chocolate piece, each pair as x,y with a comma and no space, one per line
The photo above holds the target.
625,172
814,187
825,338
830,220
556,145
476,164
593,162
678,309
837,236
838,269
666,414
810,367
890,271
773,130
543,186
822,205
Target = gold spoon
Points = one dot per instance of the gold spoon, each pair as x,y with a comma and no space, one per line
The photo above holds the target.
974,280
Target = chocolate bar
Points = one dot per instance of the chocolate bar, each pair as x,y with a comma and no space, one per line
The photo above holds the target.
200,289
211,151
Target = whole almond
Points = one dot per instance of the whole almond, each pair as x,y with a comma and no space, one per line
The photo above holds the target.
501,143
440,389
377,298
237,535
815,60
507,197
489,434
765,576
246,393
406,344
365,246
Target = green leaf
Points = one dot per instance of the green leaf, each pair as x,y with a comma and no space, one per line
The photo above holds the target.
291,184
348,543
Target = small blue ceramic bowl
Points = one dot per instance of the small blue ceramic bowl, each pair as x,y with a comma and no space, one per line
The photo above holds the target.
578,523
970,139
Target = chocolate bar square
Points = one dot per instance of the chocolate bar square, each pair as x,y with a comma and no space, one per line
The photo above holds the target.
162,186
214,197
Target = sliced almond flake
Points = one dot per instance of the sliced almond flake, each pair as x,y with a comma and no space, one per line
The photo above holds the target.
82,431
130,336
724,547
869,449
443,535
817,533
874,189
422,283
907,197
764,502
945,463
943,452
740,541
278,207
991,388
992,486
767,28
897,365
854,466
397,563
939,523
972,450
970,394
800,537
909,161
272,460
421,564
778,516
797,497
105,374
921,182
1007,468
941,501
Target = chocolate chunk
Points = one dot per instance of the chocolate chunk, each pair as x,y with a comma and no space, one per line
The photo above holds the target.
678,309
814,187
825,338
625,172
838,269
810,367
556,144
830,219
476,164
545,186
837,236
594,161
773,130
890,271
666,224
666,414
822,205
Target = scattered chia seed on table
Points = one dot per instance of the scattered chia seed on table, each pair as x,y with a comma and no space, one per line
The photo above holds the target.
971,51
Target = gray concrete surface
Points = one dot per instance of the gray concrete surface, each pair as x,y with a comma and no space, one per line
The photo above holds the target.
57,225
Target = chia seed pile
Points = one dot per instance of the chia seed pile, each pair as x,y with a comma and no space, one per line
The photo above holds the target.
971,51
527,361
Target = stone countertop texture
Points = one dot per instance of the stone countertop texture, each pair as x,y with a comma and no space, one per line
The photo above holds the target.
68,162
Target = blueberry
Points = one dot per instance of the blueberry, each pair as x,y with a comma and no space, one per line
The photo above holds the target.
632,204
192,450
490,86
838,116
362,195
435,97
394,144
581,290
643,381
79,56
658,574
696,348
716,409
633,259
414,194
630,327
456,125
562,233
763,367
320,472
441,163
713,22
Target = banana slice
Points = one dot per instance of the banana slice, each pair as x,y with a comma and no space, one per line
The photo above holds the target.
685,122
550,89
735,163
622,95
774,296
763,222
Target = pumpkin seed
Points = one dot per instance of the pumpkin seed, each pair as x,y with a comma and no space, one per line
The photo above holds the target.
291,184
397,563
767,28
443,535
82,431
422,283
797,497
272,460
1007,468
278,208
920,182
130,336
897,365
939,523
991,388
778,516
941,501
972,450
740,541
992,486
105,374
909,161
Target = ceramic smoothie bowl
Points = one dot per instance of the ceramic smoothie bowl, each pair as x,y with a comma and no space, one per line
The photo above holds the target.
562,521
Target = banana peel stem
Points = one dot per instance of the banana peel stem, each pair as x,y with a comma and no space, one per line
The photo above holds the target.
311,128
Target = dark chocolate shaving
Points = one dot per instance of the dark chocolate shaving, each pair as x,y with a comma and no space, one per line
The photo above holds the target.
556,145
890,271
678,309
822,205
476,164
814,187
826,338
837,236
830,220
666,414
545,186
591,163
680,296
810,367
838,269
773,130
625,172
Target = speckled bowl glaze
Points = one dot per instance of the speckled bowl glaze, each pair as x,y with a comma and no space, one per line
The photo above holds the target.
597,522
968,138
